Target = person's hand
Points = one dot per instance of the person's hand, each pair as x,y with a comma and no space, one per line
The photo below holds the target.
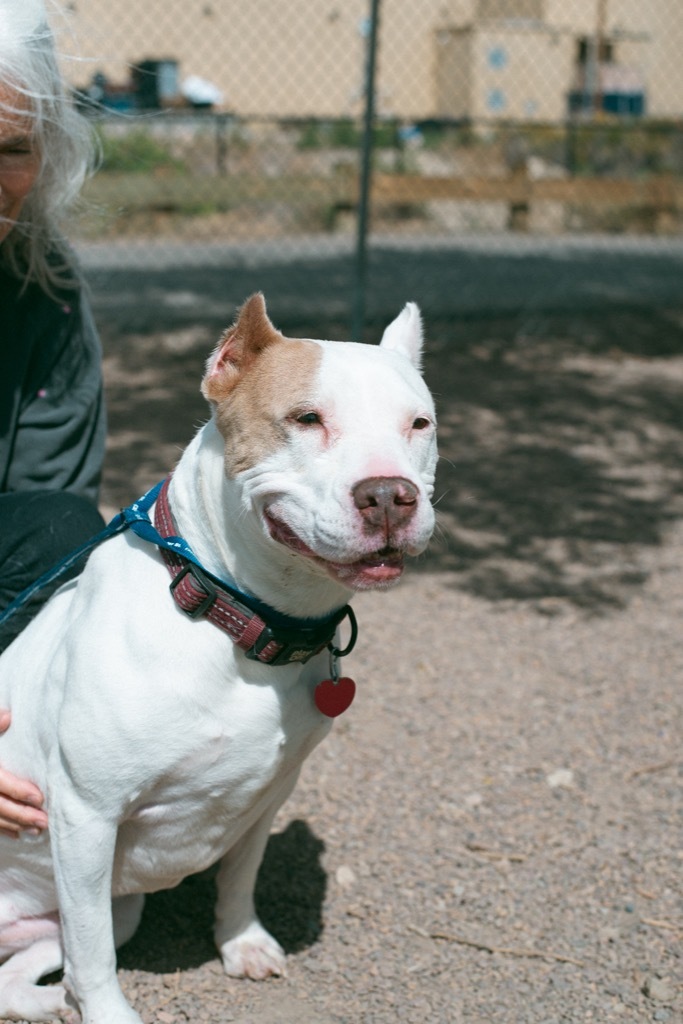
20,801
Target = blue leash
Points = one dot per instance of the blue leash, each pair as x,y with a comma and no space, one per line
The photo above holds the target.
136,518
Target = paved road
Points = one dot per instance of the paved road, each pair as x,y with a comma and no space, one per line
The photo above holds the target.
159,285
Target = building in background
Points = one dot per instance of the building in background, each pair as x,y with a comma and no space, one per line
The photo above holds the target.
538,60
526,60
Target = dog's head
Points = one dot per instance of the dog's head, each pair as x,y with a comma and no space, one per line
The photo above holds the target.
333,443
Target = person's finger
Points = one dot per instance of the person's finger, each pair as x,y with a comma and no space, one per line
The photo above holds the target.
14,788
21,801
15,814
11,826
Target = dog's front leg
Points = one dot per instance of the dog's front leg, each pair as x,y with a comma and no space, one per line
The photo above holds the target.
246,948
83,843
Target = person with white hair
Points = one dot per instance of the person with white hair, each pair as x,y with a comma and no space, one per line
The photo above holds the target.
52,418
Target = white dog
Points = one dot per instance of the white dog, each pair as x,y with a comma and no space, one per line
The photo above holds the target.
166,733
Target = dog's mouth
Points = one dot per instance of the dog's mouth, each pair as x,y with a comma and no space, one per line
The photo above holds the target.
379,568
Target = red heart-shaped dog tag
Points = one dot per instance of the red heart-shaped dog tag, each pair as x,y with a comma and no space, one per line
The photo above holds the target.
332,698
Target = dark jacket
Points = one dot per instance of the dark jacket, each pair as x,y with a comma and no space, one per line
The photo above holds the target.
52,419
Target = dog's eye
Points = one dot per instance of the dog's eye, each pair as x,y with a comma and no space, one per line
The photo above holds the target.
421,423
308,419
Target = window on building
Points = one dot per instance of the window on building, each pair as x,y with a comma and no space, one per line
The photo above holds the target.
585,48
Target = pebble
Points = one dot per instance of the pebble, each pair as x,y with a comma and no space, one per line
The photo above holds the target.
345,876
562,778
659,990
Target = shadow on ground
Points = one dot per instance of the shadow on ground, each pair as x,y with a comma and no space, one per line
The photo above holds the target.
560,433
561,440
176,932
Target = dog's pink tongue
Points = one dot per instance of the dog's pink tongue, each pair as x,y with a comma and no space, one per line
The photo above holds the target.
381,568
374,571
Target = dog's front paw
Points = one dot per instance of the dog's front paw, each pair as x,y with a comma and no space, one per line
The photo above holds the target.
20,1000
253,954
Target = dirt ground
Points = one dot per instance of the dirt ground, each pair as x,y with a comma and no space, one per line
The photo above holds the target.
493,832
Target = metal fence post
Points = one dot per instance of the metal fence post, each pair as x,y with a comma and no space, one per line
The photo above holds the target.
360,266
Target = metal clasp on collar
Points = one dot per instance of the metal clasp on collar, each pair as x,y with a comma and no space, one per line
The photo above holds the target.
300,645
293,646
205,584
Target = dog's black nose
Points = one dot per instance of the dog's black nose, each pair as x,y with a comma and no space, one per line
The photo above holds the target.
385,500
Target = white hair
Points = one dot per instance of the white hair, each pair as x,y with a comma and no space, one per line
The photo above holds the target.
35,249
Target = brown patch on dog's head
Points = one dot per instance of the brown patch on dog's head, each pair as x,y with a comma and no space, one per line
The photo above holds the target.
238,348
255,379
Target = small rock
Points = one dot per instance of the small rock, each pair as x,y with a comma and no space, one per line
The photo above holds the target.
563,778
474,800
659,990
345,876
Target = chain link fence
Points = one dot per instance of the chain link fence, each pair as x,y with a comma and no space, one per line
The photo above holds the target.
332,137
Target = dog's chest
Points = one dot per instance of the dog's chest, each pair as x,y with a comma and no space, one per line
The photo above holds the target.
217,787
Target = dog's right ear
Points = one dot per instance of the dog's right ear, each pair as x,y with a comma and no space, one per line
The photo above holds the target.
238,348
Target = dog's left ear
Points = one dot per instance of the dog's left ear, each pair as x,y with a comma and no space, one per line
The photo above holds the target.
238,349
404,335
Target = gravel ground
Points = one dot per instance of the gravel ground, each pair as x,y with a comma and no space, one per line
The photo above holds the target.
493,831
